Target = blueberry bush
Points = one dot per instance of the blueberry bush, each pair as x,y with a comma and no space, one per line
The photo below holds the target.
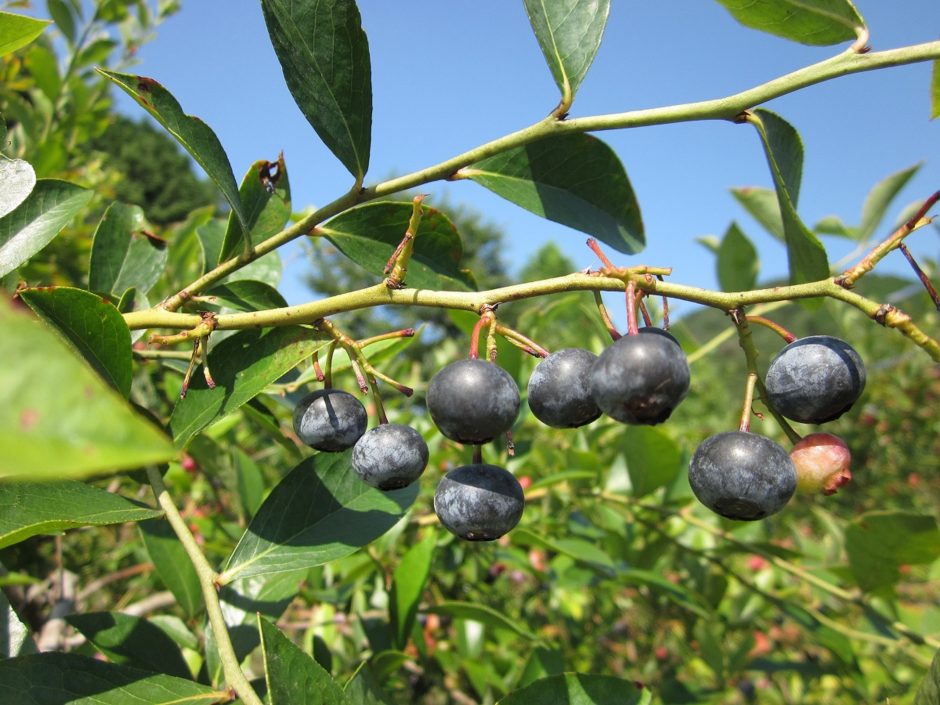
209,495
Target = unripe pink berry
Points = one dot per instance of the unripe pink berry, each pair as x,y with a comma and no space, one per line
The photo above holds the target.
822,463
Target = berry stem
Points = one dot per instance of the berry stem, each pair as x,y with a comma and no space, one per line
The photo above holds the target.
921,274
478,455
605,317
397,267
647,321
204,353
404,333
521,341
328,376
632,328
774,326
491,346
315,360
184,387
665,306
596,249
747,409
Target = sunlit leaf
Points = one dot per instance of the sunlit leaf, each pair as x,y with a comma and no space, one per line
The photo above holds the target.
18,30
17,179
123,255
247,295
880,198
763,206
293,677
879,542
653,458
817,22
737,261
15,639
172,564
579,689
408,583
265,196
483,614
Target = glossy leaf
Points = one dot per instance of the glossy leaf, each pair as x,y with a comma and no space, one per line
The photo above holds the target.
816,22
369,234
242,366
363,688
784,150
928,692
17,31
570,33
249,483
293,677
131,641
30,226
172,564
265,196
879,542
92,326
17,179
483,614
653,458
123,255
69,679
408,581
763,206
51,422
319,512
192,133
880,198
575,180
31,508
737,261
15,639
324,55
579,689
246,295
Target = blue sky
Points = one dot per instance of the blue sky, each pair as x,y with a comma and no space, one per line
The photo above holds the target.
448,76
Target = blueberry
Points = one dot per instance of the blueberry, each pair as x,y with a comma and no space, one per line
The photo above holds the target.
390,456
472,401
330,419
640,379
560,389
815,379
742,475
479,502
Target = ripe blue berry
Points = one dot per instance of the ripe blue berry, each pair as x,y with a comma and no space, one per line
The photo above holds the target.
559,390
390,456
479,502
330,420
472,401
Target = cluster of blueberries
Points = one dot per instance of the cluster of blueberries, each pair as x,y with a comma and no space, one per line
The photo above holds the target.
639,379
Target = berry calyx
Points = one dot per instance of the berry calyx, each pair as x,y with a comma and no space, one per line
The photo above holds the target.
822,463
559,390
479,502
742,475
473,401
815,379
390,456
330,420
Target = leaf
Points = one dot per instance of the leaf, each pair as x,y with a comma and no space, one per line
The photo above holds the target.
292,676
324,55
879,198
763,206
60,12
17,31
737,261
578,549
68,679
242,366
123,254
784,150
249,482
246,295
193,134
319,512
369,234
879,542
363,688
653,458
17,179
28,509
579,689
172,564
211,235
131,641
570,33
483,614
408,581
265,197
833,225
575,180
51,422
816,22
929,691
677,593
15,639
935,91
30,226
92,325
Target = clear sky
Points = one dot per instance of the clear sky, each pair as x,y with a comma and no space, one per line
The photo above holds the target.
451,74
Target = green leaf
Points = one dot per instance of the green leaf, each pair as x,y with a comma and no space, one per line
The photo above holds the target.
17,31
677,593
68,679
408,581
763,206
369,234
570,33
816,22
211,236
324,55
737,261
293,677
62,15
929,691
880,198
653,458
935,91
833,225
363,688
249,482
242,366
246,295
30,226
265,196
575,180
192,133
542,662
579,549
483,614
93,327
579,689
131,641
15,639
878,543
28,509
51,424
17,179
319,512
123,254
172,564
784,150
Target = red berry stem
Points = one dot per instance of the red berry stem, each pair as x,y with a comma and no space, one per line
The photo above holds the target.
605,317
647,321
774,326
596,249
665,306
632,327
316,367
404,333
922,275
